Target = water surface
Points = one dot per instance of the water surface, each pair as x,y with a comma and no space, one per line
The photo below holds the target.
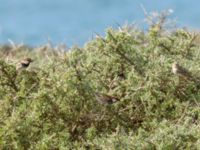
75,21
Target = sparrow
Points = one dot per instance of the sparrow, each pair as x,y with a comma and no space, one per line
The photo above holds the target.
24,64
179,70
105,99
121,76
182,72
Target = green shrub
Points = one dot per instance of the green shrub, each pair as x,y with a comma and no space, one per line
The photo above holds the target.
52,104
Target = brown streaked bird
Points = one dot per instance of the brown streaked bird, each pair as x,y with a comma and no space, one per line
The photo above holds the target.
179,70
24,64
182,72
105,99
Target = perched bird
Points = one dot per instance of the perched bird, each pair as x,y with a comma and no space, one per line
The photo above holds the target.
105,99
121,73
182,72
121,76
24,64
179,70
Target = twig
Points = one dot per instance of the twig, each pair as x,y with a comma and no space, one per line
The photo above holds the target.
146,14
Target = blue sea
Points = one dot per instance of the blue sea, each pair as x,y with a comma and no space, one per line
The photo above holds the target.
74,22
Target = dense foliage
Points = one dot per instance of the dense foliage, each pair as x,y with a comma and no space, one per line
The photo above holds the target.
51,105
